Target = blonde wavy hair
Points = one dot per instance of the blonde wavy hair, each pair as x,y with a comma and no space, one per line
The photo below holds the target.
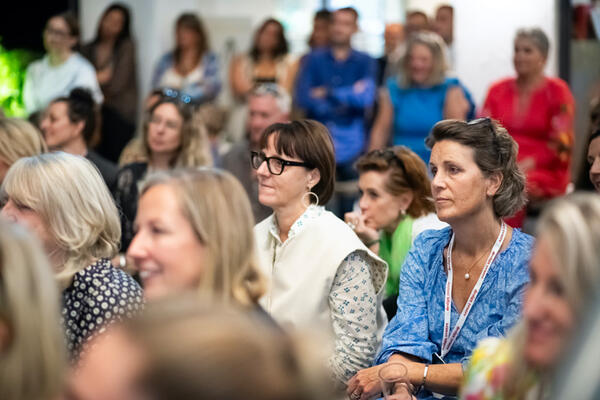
205,350
33,359
194,150
218,209
18,139
70,196
572,226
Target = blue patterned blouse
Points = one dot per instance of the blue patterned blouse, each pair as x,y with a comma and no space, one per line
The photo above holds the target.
417,328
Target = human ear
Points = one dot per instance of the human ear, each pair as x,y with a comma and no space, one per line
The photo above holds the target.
314,177
494,181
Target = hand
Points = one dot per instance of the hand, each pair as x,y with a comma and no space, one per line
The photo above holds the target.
365,233
104,75
359,86
318,92
365,384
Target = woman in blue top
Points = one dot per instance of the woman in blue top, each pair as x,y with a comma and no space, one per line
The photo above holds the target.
411,103
463,283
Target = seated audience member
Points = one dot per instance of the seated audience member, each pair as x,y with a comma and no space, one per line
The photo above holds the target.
593,157
267,104
463,283
395,207
69,124
32,344
62,199
18,139
321,274
180,348
538,111
62,68
171,138
112,53
191,67
205,243
420,96
564,278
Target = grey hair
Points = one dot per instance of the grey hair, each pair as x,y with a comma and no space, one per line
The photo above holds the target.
537,37
281,96
437,46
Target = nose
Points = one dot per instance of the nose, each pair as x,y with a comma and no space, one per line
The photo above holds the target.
595,168
363,203
437,182
8,212
533,302
262,169
137,248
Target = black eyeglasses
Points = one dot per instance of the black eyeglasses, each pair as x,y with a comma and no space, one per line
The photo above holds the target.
177,95
275,165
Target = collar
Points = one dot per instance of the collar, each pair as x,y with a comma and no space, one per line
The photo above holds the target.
311,213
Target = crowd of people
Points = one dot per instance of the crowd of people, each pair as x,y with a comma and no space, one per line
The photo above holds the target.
365,214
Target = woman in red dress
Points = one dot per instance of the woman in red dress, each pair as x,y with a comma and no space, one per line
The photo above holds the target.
538,112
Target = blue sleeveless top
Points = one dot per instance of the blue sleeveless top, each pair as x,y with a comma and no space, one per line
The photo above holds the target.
416,110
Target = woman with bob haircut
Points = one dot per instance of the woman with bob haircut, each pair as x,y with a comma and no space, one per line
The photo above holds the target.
32,343
172,138
539,113
395,207
321,273
18,139
63,200
463,283
194,232
180,348
421,95
564,278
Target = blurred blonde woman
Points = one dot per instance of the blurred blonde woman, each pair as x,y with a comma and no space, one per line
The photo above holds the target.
172,137
32,346
184,349
194,232
18,138
564,276
64,201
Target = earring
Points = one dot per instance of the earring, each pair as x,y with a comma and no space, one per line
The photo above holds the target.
307,203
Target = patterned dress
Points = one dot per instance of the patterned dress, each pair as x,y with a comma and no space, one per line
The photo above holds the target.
417,328
98,296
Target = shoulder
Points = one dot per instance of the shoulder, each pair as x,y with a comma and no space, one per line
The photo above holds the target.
37,65
502,84
521,242
81,62
362,56
262,228
165,60
559,88
432,240
135,168
101,281
210,56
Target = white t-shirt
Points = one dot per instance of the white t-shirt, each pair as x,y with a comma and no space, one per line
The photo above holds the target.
45,82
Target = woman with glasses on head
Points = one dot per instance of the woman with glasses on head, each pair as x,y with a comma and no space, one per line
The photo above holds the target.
61,69
395,207
321,274
538,111
61,198
172,137
191,67
465,282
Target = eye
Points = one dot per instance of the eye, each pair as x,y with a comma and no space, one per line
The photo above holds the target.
172,125
277,163
433,170
556,288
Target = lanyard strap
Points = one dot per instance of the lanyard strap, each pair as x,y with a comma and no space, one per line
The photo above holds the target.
449,338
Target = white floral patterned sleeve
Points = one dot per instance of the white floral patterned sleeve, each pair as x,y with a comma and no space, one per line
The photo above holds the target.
355,305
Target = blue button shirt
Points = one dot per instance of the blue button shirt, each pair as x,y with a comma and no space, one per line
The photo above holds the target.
344,108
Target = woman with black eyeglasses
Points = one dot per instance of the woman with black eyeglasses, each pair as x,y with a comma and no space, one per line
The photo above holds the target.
322,276
62,68
171,138
395,207
465,282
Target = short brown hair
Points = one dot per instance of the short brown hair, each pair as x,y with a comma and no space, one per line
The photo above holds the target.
495,151
310,141
405,171
350,10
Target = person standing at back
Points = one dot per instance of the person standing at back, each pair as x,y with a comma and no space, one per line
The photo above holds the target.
336,86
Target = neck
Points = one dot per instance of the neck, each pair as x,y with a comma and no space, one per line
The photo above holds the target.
58,57
341,51
76,146
391,228
286,216
476,234
161,161
529,81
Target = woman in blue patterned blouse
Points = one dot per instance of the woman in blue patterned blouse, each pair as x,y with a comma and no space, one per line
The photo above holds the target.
465,282
63,200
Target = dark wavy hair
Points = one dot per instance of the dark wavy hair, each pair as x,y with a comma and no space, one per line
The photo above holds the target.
282,47
125,31
81,107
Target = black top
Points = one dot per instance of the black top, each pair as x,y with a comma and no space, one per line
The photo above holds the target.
107,169
98,296
126,198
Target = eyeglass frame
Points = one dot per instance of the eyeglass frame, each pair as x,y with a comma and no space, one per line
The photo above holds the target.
284,163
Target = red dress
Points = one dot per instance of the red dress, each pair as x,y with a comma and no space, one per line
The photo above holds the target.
543,129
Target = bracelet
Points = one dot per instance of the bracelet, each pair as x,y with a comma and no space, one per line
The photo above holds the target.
122,261
372,242
422,385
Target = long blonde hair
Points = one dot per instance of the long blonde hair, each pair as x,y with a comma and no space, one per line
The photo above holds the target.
70,196
572,227
33,361
218,209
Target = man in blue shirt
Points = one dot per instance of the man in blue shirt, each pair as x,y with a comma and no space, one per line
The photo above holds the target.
336,86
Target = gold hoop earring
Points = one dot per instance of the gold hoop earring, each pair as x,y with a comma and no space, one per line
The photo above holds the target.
309,194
